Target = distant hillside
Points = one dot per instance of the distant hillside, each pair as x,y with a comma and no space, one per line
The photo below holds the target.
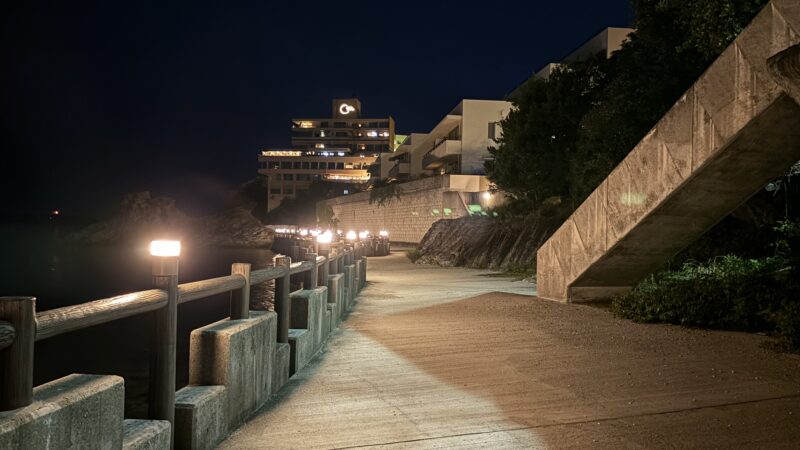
143,217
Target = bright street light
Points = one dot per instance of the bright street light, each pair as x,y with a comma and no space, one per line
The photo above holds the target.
165,248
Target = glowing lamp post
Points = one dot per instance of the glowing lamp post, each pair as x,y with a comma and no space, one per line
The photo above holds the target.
162,367
383,233
351,235
325,238
324,241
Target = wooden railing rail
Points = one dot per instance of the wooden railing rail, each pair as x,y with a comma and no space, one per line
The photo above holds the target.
21,326
77,317
206,288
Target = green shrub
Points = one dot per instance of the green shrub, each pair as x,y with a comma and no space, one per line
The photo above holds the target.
413,255
730,293
521,270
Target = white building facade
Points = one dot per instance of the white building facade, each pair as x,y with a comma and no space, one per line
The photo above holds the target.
458,144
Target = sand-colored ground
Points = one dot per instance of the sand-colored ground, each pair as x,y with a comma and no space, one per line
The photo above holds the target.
438,358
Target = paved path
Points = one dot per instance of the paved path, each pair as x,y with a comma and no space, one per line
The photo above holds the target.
435,358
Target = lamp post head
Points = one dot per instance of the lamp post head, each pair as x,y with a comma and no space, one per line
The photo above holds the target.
165,257
383,233
165,248
351,235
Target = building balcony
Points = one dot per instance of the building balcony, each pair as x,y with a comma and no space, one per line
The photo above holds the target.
444,151
400,170
350,176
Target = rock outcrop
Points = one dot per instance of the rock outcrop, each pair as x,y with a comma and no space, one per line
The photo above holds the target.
481,242
143,217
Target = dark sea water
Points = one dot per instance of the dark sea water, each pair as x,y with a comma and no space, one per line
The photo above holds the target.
37,262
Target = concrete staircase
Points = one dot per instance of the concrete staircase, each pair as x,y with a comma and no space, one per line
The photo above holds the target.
734,130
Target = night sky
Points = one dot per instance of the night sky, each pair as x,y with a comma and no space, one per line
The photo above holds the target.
178,97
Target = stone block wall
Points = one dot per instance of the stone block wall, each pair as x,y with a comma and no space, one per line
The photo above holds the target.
421,203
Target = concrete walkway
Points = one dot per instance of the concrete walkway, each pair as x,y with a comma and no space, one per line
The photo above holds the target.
437,358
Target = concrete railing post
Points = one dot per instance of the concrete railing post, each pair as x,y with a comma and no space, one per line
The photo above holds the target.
240,299
16,361
322,279
283,304
339,258
310,276
162,366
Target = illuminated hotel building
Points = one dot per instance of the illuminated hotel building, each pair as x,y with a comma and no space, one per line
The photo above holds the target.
344,148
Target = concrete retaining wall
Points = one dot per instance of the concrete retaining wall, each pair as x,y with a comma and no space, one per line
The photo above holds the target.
145,434
420,204
336,297
76,411
350,286
236,354
201,417
235,366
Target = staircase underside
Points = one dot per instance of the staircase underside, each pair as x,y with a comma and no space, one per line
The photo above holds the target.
733,131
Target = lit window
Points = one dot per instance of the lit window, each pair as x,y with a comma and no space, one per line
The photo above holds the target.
306,124
319,145
280,153
372,133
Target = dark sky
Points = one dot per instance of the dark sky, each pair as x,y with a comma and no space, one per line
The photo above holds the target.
100,99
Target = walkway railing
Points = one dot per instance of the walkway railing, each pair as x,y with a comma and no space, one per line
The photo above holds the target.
21,326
